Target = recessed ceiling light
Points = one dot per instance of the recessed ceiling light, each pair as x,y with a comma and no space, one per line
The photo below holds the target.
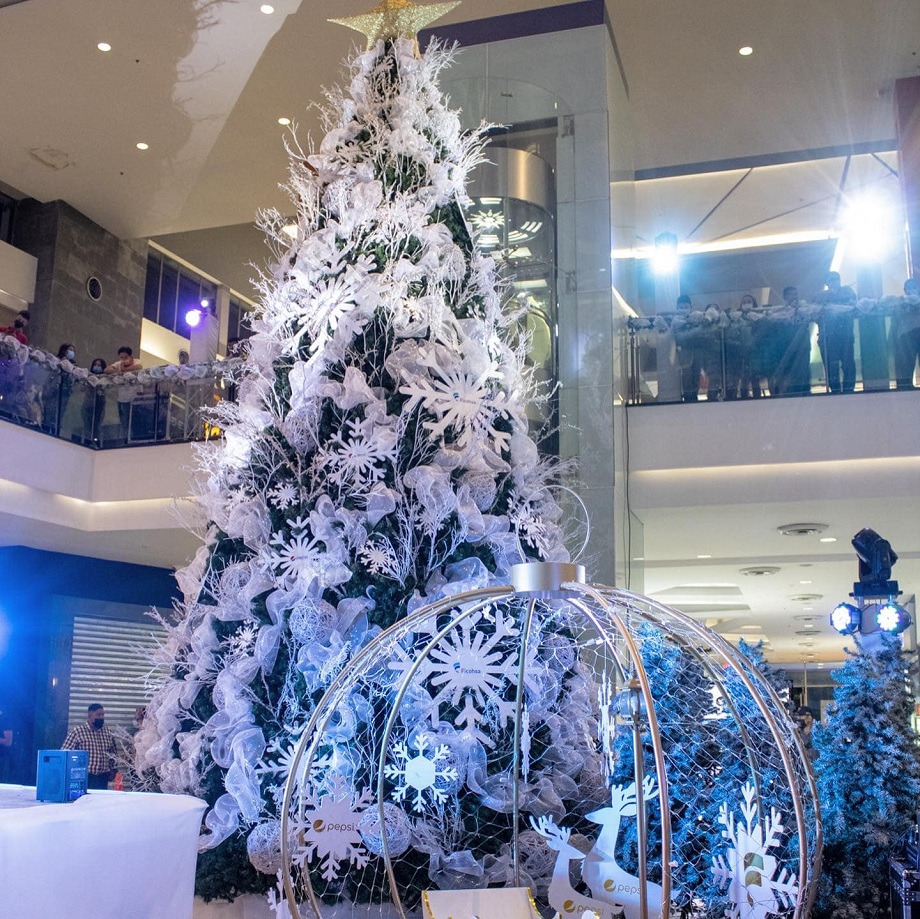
142,146
104,46
704,556
828,539
267,8
284,120
745,51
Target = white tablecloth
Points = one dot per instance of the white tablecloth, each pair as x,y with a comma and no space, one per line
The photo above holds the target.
108,855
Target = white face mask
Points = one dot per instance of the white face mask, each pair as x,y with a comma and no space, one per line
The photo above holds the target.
70,355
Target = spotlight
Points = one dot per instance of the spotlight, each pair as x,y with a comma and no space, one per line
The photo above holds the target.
193,317
846,618
665,260
876,559
892,617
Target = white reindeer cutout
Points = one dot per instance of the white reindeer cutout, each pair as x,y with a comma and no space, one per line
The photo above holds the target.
567,901
600,871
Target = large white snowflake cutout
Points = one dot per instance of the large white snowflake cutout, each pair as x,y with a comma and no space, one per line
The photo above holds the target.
463,403
417,773
327,829
754,890
467,667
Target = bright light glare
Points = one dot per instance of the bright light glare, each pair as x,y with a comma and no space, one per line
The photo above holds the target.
142,146
868,229
745,51
104,46
665,261
193,318
267,8
284,121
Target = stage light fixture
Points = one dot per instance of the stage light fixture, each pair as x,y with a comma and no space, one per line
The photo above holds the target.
846,618
876,559
892,617
193,318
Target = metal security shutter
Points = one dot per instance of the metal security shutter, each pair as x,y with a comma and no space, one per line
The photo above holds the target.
111,664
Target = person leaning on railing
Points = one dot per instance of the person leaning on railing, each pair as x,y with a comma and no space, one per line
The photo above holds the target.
906,336
126,392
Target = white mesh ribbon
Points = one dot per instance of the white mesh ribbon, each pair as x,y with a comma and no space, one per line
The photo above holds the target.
221,821
242,782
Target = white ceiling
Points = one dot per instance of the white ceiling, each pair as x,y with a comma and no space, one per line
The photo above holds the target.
203,82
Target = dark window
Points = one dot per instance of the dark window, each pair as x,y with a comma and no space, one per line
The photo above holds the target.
168,289
152,288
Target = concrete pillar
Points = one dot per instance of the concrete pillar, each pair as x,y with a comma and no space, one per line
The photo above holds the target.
100,317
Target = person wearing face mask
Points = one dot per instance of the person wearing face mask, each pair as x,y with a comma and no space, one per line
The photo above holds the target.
18,328
12,394
99,742
93,408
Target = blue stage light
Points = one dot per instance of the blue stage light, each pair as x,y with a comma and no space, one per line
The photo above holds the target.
193,317
846,618
892,617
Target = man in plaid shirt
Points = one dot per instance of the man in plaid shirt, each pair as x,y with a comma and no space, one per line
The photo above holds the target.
99,742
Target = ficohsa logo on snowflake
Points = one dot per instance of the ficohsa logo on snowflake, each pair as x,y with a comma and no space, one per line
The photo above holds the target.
468,665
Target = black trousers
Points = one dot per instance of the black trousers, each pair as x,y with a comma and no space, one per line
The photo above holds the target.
98,780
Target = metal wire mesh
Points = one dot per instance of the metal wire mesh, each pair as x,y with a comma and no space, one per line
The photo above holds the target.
596,747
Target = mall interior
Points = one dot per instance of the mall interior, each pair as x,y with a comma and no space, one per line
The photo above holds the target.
640,150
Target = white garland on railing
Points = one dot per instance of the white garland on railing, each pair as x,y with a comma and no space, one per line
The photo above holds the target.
717,318
13,349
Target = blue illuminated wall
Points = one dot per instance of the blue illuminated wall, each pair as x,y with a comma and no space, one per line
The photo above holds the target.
40,592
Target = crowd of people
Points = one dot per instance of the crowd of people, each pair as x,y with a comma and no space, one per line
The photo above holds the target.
37,392
746,358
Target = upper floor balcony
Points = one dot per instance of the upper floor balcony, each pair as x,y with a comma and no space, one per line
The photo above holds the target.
157,406
774,351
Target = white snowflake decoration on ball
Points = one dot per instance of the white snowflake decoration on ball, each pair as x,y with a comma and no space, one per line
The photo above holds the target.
328,829
418,773
754,891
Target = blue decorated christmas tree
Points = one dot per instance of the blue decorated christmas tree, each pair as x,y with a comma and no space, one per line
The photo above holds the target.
868,772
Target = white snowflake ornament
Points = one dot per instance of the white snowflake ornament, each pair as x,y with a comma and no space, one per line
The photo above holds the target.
429,770
327,829
754,889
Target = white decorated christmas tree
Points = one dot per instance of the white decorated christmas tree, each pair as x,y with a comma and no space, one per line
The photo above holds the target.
378,456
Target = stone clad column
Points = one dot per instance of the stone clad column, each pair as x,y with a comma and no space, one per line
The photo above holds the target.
907,119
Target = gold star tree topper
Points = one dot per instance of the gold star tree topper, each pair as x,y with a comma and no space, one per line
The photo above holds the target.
395,19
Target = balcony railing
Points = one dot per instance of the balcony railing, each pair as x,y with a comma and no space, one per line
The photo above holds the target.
163,405
774,351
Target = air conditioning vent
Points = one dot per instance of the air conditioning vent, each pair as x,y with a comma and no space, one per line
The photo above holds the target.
759,571
802,529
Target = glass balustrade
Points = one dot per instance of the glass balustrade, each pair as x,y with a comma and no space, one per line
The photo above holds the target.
156,406
769,352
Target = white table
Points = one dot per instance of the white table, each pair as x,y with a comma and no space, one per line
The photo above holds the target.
108,855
